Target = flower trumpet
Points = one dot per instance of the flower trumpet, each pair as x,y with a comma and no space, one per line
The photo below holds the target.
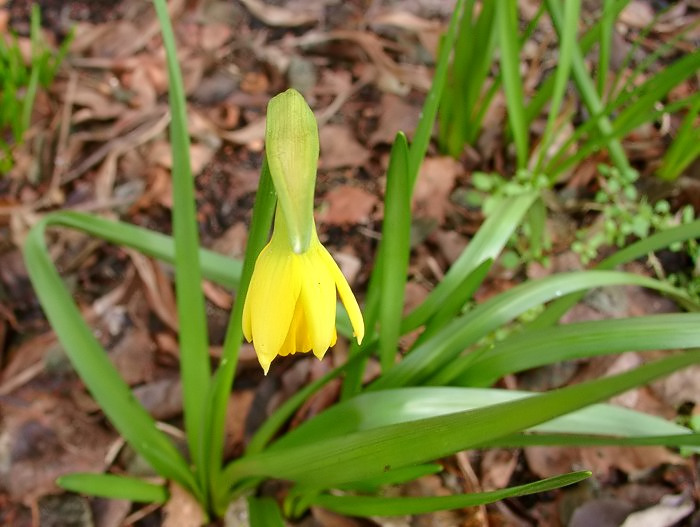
291,302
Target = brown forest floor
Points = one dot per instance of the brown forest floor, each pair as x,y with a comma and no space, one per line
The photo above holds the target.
99,144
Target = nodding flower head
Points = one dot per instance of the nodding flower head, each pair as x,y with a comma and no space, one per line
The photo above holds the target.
291,301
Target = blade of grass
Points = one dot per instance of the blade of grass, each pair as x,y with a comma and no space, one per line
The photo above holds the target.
607,26
194,343
396,241
217,267
440,351
633,119
264,512
507,23
387,407
357,456
454,304
96,370
587,41
33,85
572,9
530,349
685,147
424,128
588,92
487,243
379,506
522,440
114,487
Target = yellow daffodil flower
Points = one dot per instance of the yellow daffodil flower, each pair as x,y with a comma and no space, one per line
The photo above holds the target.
291,302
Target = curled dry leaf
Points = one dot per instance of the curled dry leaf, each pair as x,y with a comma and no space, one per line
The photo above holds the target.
276,16
346,205
396,116
44,439
340,149
133,356
182,510
436,180
670,511
637,14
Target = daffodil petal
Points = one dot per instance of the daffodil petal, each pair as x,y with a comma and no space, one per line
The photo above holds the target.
346,295
245,321
274,290
318,297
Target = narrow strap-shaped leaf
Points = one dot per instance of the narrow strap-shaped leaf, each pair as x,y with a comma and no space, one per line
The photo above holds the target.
588,91
607,27
396,241
387,407
194,343
424,128
264,512
357,456
378,506
507,22
217,267
522,440
487,243
530,349
453,305
95,369
440,351
114,487
572,8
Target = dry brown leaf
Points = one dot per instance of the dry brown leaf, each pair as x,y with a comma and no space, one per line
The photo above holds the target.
182,509
133,356
94,105
497,467
162,399
436,180
552,461
232,241
348,205
139,82
110,513
239,405
450,243
158,288
148,125
217,295
276,16
397,116
391,77
637,14
340,149
669,512
350,265
160,153
631,460
428,31
251,135
680,387
43,440
214,36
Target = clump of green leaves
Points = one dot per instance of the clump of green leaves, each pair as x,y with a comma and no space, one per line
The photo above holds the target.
19,83
625,213
427,403
616,103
